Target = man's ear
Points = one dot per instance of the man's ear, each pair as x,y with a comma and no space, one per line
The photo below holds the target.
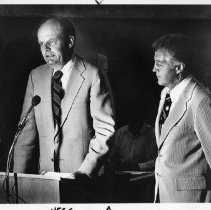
179,67
71,41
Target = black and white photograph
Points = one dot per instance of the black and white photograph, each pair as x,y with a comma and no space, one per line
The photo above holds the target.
105,104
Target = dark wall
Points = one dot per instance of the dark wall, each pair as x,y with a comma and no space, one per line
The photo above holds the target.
123,34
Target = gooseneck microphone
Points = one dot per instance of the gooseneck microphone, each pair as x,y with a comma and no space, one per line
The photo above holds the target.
35,101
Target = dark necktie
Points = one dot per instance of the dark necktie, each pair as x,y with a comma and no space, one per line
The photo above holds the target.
165,110
57,96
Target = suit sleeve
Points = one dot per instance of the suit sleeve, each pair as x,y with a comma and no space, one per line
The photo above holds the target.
203,126
102,112
25,149
114,152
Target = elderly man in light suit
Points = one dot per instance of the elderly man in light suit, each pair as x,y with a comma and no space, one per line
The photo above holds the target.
79,140
183,165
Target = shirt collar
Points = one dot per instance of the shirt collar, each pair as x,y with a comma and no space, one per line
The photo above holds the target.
178,89
66,68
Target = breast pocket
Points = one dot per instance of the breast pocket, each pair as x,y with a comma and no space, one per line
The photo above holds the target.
191,183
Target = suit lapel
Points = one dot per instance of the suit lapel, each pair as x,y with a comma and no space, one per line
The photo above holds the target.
45,95
157,128
177,113
74,84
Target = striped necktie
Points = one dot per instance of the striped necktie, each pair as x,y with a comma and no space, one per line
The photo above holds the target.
57,96
165,110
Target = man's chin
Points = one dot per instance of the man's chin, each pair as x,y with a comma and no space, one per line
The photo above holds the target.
160,83
50,62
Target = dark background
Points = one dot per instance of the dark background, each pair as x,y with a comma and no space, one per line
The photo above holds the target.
123,34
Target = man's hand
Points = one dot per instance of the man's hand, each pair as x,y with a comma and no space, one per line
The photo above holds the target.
82,178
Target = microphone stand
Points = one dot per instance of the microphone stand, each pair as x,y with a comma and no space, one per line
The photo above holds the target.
10,155
35,100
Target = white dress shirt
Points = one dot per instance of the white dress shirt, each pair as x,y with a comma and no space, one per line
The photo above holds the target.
66,70
178,90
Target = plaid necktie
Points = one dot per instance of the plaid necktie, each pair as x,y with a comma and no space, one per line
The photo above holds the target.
57,96
165,110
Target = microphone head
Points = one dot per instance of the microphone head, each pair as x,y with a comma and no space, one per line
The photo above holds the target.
36,100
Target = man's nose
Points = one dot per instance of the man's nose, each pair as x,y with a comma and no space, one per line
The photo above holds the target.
154,69
46,47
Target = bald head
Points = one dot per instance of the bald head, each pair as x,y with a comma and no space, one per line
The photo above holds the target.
60,23
56,38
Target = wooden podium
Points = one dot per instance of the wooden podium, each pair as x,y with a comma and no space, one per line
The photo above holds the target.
45,189
31,188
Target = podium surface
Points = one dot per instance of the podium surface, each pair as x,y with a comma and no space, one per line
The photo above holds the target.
122,187
31,188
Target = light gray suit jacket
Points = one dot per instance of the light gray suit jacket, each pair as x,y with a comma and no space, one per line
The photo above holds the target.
183,165
87,121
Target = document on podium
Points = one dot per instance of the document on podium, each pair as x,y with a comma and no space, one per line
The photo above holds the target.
58,175
43,175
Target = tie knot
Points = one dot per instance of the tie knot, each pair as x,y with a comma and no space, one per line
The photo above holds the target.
57,75
168,97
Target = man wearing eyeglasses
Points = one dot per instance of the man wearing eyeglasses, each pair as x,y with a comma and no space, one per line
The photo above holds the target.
183,126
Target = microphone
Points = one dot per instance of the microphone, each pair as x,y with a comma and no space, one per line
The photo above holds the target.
35,101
